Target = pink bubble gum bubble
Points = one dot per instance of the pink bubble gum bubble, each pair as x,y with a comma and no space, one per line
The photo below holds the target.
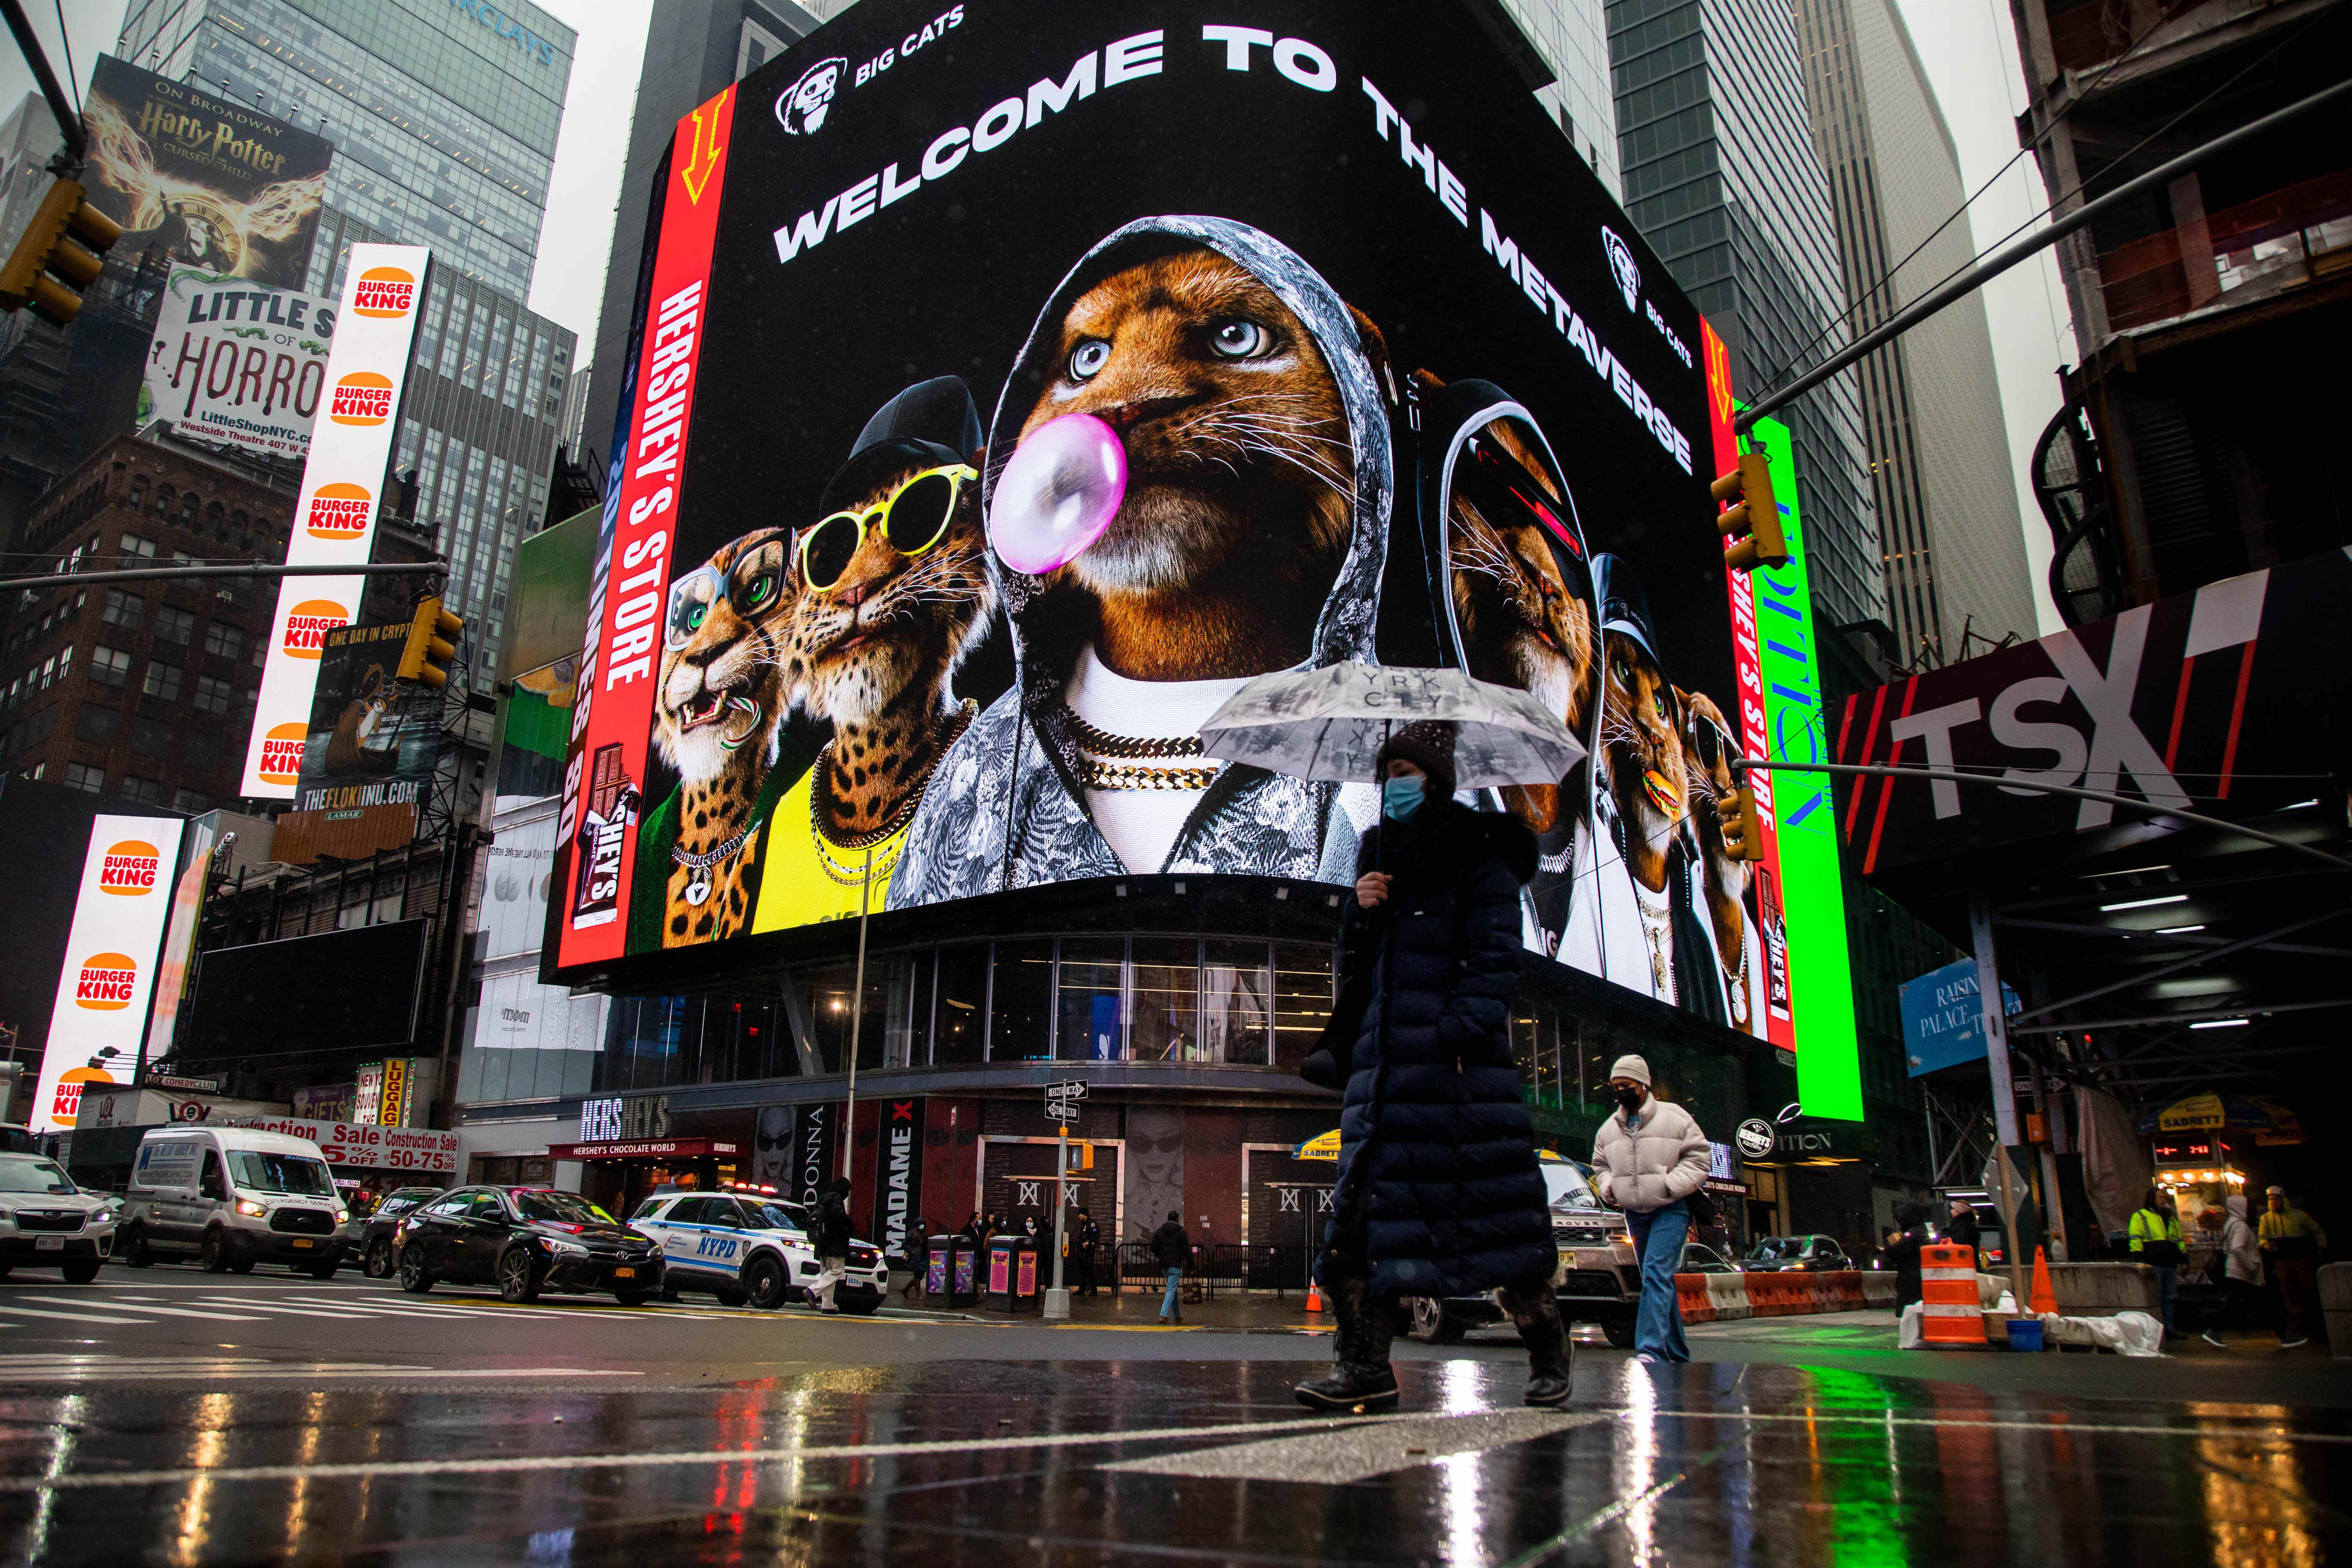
1057,493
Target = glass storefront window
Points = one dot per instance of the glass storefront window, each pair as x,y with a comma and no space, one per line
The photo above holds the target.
1019,1010
909,1043
1165,1023
1302,1000
1091,1020
1236,981
959,1021
831,1017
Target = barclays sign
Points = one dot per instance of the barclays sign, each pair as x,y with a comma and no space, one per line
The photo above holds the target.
532,46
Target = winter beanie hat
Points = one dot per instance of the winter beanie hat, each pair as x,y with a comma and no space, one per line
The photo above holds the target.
1633,1068
1427,744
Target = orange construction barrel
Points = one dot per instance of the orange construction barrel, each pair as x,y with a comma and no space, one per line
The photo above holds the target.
1950,1314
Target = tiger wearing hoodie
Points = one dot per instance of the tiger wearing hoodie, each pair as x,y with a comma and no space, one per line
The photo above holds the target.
1251,539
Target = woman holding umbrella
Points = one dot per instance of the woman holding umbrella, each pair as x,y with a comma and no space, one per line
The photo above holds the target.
1438,1193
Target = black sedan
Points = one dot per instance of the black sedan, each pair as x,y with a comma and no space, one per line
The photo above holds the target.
376,1234
525,1240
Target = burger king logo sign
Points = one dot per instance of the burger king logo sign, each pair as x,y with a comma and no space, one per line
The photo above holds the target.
130,868
281,753
338,512
384,291
66,1109
107,980
363,397
306,626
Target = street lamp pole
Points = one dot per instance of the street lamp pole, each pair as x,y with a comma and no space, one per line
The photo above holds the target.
856,1010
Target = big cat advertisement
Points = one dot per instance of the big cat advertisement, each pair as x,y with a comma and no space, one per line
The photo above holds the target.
219,186
1014,382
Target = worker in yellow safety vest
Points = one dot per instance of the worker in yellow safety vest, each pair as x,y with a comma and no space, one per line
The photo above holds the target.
2156,1241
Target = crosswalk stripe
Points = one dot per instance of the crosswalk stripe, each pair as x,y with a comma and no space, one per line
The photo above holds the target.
74,1317
458,1309
280,1306
122,1306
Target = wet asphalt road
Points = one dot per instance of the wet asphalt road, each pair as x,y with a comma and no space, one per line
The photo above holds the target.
226,1419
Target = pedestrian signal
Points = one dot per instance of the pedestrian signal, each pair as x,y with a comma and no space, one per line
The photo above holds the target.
432,645
1753,520
58,256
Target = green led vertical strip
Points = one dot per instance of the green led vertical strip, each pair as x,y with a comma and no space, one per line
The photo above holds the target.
1812,891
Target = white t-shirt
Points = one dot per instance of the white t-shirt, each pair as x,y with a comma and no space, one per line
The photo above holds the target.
1141,824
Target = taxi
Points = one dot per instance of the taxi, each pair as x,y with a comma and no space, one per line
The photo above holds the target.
749,1247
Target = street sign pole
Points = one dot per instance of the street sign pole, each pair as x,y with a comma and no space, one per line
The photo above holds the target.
1062,1105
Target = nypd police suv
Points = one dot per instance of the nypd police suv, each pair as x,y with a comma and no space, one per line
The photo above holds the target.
744,1247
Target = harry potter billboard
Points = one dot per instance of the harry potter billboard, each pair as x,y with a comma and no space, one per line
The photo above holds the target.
219,186
1014,382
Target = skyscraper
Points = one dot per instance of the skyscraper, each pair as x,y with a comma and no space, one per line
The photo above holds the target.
444,116
1573,42
698,47
1940,460
443,112
1723,181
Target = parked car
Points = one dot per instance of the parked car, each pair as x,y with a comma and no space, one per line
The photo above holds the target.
1780,1254
231,1197
373,1243
525,1240
743,1247
47,1222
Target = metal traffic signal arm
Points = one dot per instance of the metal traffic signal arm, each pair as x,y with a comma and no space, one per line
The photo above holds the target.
172,574
59,255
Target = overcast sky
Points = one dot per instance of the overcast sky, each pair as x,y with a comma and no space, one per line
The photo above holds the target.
1967,46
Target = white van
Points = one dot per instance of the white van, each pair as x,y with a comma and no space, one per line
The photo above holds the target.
232,1198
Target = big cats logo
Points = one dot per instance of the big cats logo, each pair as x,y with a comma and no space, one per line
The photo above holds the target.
130,868
386,292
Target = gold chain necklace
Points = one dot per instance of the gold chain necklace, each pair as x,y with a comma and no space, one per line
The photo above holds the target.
1096,773
822,787
1103,744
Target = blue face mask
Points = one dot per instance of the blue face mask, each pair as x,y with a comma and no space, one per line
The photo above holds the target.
1399,799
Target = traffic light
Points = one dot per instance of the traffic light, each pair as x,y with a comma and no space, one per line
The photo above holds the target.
432,644
1754,519
66,238
1751,829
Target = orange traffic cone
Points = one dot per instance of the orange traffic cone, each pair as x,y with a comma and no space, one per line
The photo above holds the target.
2044,1298
1314,1295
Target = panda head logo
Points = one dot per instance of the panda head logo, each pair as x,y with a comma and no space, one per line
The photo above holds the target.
1622,266
802,109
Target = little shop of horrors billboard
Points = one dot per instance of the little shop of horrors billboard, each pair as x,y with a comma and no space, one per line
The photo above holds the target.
1014,381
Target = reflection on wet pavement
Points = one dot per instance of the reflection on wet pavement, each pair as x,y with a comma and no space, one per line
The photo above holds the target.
955,1462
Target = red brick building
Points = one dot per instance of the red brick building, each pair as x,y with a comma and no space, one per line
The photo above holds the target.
140,690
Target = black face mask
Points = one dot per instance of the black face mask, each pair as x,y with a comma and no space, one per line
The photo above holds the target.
1631,1098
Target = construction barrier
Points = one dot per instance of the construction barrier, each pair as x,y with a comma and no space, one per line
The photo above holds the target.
1723,1298
1950,1313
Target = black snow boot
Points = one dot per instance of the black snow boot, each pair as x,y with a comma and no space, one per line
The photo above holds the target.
1535,1312
1363,1379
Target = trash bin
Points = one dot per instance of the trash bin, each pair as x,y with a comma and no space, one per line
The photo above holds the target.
949,1279
1012,1284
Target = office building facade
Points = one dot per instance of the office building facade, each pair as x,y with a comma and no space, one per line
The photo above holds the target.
1721,178
479,422
442,113
700,46
1939,463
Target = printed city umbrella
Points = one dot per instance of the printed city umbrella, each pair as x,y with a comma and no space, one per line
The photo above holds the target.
1330,723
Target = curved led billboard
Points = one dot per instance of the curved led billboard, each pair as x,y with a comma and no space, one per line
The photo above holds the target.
1014,382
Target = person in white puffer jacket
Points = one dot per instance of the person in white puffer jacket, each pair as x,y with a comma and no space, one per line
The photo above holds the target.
1648,1157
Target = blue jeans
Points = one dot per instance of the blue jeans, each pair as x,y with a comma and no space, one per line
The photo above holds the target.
1172,1304
1658,1239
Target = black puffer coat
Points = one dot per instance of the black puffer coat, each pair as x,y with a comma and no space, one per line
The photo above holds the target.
1434,1138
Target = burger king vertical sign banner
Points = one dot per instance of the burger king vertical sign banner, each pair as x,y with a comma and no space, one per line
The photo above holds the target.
350,446
109,968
